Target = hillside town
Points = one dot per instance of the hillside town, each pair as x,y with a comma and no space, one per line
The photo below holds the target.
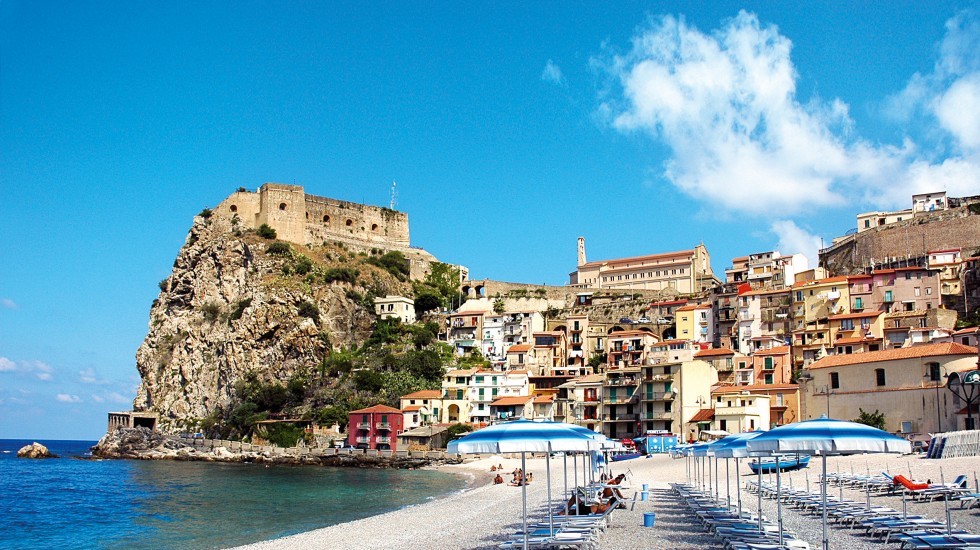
660,344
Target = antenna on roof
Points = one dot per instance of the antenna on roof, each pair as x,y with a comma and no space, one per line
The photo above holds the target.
394,195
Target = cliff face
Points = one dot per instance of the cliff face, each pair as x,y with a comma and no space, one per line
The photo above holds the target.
230,308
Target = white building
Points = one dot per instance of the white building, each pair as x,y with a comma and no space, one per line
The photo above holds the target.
395,306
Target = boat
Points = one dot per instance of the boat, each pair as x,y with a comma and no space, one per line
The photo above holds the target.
626,456
768,465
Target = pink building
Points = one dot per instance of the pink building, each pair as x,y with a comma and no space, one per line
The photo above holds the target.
374,427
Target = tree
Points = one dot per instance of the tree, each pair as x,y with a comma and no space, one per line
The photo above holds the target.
266,232
498,306
427,301
875,419
456,431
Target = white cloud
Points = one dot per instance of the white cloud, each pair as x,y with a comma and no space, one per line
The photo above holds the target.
97,398
552,73
40,369
6,365
115,397
8,303
795,240
46,376
725,105
89,376
67,398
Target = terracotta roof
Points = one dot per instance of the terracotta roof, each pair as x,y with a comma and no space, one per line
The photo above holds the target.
778,350
412,408
693,307
424,394
704,415
714,352
517,348
897,354
670,342
861,315
544,399
630,334
517,371
511,400
762,292
590,379
754,387
377,409
967,330
856,340
460,372
680,253
828,280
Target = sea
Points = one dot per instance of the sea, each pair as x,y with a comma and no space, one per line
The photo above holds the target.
76,501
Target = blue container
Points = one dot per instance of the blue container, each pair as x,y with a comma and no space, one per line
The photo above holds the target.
649,518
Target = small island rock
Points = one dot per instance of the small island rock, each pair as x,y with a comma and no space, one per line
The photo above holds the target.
35,450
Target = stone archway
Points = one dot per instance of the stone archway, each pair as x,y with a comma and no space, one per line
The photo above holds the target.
453,413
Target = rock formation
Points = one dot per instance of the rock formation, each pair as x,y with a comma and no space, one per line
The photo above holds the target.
35,450
232,308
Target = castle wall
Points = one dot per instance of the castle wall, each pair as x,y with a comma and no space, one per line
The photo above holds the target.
283,208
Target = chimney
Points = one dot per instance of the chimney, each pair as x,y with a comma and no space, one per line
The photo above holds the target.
581,251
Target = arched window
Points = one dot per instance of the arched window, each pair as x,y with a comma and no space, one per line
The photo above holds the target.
326,219
349,223
234,208
374,227
282,206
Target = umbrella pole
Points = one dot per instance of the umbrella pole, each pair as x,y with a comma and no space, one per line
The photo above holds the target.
564,472
717,484
779,504
738,488
728,487
551,510
524,496
942,480
759,493
823,490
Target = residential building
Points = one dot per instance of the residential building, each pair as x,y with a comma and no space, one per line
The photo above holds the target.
856,332
465,330
455,404
772,366
967,336
467,394
907,384
519,356
685,271
784,402
738,273
629,348
814,302
764,319
723,361
929,202
671,351
395,306
907,328
518,406
421,408
740,411
871,220
620,402
693,380
520,325
374,427
949,263
550,352
586,398
492,344
695,323
657,398
726,316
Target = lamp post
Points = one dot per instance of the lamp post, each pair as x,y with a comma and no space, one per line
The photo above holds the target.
937,378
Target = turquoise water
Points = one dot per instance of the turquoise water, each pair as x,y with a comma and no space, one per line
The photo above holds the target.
71,502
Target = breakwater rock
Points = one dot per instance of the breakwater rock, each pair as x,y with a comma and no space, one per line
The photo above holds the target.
146,444
35,450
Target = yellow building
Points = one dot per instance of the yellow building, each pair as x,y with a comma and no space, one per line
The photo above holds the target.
685,271
907,384
695,323
814,302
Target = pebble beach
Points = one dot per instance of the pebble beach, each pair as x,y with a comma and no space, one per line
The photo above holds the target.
484,515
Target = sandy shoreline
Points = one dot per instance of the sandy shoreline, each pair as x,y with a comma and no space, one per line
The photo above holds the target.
484,515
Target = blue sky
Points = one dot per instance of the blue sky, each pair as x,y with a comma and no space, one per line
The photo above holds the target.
511,128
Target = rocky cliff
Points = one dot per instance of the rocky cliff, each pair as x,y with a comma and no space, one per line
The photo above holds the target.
237,304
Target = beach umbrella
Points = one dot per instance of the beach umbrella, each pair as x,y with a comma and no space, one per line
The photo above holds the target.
734,446
825,436
525,436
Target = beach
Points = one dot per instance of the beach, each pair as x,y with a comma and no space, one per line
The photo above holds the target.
484,515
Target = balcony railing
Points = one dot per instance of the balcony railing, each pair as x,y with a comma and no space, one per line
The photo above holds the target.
384,440
363,425
619,418
666,415
660,378
383,425
620,382
618,400
659,396
363,439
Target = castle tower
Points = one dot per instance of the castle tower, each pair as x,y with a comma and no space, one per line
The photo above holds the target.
581,251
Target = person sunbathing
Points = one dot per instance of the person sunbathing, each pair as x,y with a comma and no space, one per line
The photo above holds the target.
529,478
609,492
498,480
581,508
493,468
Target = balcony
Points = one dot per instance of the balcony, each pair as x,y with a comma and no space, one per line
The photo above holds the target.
383,426
664,415
660,378
365,440
618,400
363,425
659,396
619,418
384,440
620,382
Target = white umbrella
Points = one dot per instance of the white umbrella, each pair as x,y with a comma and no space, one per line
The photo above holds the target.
525,436
825,436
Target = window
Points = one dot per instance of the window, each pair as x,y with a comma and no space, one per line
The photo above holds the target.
858,303
888,296
768,379
928,290
834,380
479,380
917,290
934,373
880,377
799,295
847,324
768,363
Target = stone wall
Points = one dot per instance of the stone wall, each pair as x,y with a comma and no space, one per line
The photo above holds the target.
908,239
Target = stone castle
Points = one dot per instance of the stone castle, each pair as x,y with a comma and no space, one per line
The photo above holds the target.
311,220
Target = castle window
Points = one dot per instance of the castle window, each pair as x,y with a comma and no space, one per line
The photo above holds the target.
326,219
234,208
282,206
374,227
349,223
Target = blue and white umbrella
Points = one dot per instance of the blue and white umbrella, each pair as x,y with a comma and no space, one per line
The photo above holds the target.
526,436
734,446
825,436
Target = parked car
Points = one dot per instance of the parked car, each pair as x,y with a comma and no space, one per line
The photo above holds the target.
663,321
643,320
626,320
